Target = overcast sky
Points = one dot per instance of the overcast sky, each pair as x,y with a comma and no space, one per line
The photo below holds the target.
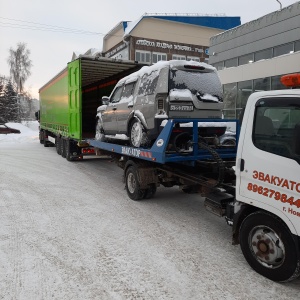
52,50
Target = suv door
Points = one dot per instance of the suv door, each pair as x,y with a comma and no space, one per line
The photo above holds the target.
125,106
109,117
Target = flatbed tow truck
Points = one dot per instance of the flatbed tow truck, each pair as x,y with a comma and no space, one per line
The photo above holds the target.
254,185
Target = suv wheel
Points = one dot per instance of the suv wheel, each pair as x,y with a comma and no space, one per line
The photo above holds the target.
137,134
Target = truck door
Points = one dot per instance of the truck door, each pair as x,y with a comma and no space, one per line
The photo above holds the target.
268,169
75,99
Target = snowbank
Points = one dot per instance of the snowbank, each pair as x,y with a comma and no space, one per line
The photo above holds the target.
29,133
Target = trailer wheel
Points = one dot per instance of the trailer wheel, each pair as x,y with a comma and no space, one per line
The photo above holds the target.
69,157
150,192
63,148
269,248
41,136
132,185
137,134
58,145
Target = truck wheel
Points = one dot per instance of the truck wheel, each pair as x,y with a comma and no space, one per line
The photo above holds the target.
57,145
41,136
269,248
63,148
68,151
150,192
132,185
137,134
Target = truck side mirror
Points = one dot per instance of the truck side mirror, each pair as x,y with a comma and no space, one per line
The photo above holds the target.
105,100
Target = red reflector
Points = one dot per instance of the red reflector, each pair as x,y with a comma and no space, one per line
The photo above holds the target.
177,130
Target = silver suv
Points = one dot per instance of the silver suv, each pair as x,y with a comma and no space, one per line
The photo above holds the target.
166,90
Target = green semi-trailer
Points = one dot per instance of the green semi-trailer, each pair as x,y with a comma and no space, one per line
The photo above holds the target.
69,101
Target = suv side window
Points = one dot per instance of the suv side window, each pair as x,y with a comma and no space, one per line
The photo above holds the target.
116,96
128,89
276,127
148,83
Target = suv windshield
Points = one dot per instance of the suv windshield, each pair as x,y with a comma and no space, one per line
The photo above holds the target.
197,82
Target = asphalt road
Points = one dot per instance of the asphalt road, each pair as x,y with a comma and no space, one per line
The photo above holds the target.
69,231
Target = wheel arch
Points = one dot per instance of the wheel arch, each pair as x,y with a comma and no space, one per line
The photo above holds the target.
134,116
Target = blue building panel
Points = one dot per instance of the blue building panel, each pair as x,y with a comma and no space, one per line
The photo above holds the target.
224,23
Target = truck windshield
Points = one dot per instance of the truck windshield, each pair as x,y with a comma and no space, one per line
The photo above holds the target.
197,82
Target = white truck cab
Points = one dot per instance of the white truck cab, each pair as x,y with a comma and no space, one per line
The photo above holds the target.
267,210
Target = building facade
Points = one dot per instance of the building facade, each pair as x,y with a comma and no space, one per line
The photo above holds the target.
165,37
252,57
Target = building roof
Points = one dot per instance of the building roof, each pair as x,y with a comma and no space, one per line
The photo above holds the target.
218,22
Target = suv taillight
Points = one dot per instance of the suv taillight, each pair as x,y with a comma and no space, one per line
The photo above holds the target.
160,103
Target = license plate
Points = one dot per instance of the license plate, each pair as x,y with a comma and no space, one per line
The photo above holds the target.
176,107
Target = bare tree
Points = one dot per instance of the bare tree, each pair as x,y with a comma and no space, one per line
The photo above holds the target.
20,65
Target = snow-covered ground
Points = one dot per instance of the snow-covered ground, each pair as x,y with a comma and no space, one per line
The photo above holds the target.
29,133
69,231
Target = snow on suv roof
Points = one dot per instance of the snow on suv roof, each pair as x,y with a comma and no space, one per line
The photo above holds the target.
163,64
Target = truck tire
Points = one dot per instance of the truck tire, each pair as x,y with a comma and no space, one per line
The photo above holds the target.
132,184
68,151
269,247
137,134
41,136
57,145
63,148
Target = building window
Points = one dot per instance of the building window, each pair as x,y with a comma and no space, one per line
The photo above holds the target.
262,84
276,84
194,58
178,57
229,114
297,46
244,91
246,59
230,93
264,54
283,49
219,66
142,56
231,63
158,56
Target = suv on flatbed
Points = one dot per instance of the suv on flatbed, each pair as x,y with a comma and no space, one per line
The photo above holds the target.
166,90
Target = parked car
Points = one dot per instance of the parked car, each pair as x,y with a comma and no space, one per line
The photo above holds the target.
4,129
170,89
